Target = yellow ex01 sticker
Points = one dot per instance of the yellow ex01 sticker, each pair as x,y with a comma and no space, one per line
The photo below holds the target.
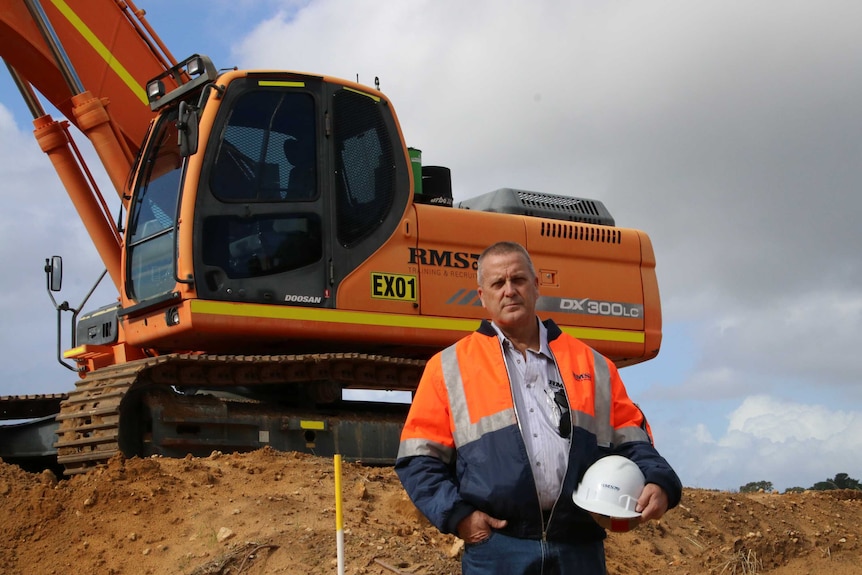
393,286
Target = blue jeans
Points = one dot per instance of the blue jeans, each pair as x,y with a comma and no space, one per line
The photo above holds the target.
504,555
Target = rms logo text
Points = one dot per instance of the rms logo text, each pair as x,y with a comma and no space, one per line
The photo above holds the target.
446,259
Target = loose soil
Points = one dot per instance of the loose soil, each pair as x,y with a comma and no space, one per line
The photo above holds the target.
274,512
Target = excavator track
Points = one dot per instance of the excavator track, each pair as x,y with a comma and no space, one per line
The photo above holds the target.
89,419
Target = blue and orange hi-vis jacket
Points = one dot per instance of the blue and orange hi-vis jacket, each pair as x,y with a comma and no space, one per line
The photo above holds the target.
461,447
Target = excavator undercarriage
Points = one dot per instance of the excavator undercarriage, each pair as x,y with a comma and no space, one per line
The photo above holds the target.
181,404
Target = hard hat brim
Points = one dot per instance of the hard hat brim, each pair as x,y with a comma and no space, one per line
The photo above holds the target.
605,508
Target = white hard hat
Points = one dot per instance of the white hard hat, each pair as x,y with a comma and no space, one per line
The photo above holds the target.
611,487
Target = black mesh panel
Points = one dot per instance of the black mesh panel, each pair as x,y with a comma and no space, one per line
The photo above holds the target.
365,178
267,151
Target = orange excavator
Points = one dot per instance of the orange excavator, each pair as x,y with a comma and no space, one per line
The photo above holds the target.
278,245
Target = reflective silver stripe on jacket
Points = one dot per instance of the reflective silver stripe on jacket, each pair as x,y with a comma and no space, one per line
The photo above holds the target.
412,447
606,435
602,401
465,431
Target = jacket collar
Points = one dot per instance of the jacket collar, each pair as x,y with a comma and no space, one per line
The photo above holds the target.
554,331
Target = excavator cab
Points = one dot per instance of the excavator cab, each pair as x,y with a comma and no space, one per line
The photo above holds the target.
296,180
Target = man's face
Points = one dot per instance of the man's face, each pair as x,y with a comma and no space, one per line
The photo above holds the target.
509,290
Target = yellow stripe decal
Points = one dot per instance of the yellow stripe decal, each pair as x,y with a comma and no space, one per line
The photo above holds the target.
372,96
605,334
316,425
331,316
101,49
70,353
384,319
269,83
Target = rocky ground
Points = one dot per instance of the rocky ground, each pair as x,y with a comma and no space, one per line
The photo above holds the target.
272,512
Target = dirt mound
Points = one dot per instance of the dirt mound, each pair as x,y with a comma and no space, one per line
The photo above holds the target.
272,512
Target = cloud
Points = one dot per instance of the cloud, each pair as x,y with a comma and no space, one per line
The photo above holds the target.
810,336
37,221
767,439
792,344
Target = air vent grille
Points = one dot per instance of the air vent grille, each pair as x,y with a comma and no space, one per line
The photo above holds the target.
603,235
559,203
538,205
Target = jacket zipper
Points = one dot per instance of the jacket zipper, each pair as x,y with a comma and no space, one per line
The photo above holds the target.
568,451
521,431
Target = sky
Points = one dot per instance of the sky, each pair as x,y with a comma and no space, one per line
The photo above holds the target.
729,131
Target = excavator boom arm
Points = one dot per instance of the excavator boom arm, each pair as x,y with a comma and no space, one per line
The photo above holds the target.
110,47
91,60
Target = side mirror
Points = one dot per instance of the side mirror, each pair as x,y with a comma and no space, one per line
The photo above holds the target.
187,129
54,270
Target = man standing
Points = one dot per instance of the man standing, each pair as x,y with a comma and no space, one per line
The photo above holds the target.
504,424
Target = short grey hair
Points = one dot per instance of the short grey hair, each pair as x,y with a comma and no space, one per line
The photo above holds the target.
501,249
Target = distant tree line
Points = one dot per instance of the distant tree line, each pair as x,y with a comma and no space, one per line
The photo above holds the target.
840,481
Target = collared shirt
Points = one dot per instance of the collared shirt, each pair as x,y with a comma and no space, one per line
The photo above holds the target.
535,380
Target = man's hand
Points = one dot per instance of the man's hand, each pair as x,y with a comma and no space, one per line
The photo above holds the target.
477,526
652,504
